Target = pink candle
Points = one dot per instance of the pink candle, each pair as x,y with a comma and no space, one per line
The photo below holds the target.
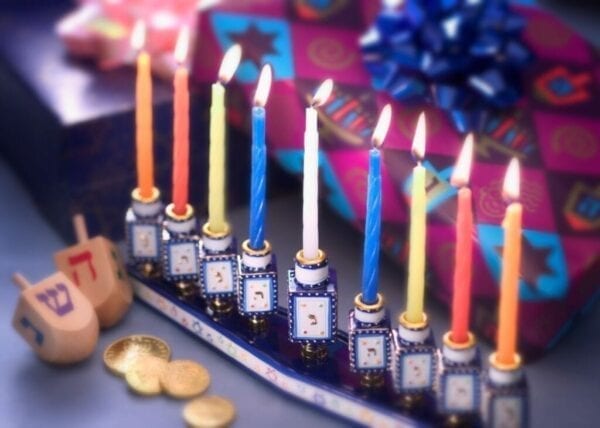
181,143
461,300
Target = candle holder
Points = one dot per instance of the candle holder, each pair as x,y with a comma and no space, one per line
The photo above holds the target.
312,302
505,395
369,341
181,250
257,286
414,362
218,269
459,382
143,225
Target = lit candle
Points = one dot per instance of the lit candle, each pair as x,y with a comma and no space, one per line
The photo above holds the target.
216,175
511,263
181,138
310,207
418,207
143,114
259,161
463,259
370,276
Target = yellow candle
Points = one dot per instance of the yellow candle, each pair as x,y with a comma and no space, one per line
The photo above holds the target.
216,178
511,263
418,205
143,115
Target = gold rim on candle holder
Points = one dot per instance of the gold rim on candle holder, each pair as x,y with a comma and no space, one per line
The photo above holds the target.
374,307
256,253
516,365
413,325
471,341
321,256
216,235
189,212
136,196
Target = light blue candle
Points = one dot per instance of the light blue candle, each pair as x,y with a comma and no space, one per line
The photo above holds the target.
258,179
370,278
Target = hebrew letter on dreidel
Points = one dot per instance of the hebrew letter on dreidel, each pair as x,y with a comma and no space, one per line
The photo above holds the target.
371,351
313,319
52,298
39,336
259,294
84,257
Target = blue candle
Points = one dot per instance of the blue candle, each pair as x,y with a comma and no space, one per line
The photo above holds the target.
258,180
370,277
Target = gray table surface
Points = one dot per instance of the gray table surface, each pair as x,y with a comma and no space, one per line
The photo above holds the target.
565,385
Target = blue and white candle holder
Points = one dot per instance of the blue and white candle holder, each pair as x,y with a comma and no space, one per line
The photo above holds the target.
219,269
312,302
369,341
181,250
414,361
505,395
143,230
257,285
459,384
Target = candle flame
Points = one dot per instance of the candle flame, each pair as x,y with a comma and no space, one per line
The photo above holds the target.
382,127
418,144
263,87
230,63
322,94
462,169
138,35
182,45
512,186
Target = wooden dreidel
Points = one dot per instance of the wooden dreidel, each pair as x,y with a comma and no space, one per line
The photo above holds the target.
95,266
56,319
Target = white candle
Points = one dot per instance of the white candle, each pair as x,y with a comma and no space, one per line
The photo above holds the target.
310,207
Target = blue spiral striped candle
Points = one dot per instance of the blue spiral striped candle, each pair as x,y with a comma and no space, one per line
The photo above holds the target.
370,277
258,179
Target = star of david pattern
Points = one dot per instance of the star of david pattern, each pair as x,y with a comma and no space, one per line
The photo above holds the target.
554,130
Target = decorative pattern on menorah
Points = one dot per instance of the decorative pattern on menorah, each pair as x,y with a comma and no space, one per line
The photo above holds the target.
143,231
181,251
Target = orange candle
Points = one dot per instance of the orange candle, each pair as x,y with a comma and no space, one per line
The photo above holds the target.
181,138
511,263
143,115
463,261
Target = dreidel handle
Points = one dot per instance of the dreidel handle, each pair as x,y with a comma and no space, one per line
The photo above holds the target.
20,281
80,228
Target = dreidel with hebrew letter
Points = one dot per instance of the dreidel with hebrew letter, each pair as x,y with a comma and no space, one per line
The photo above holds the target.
96,267
56,319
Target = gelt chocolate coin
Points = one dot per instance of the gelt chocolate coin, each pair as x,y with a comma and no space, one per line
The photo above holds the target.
184,379
209,412
120,354
143,376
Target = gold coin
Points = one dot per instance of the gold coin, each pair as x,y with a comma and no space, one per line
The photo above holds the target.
209,412
119,355
184,379
143,376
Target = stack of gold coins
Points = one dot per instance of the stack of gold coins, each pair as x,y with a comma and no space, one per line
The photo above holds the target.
143,361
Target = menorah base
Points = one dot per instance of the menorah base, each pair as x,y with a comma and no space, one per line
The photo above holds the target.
221,306
372,380
185,290
274,359
314,353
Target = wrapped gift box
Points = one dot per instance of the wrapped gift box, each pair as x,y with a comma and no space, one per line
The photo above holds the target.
553,130
68,129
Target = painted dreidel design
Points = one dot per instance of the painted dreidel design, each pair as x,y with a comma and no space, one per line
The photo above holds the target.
143,231
312,301
505,395
414,360
181,250
459,384
257,285
96,267
219,270
369,341
55,319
